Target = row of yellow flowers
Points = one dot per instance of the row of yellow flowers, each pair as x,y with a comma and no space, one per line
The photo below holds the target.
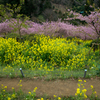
79,95
66,54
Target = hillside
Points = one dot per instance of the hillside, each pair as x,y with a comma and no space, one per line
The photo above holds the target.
51,10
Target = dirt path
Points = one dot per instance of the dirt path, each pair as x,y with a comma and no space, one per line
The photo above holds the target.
58,87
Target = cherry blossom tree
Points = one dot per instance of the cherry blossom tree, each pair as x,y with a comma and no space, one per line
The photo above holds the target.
93,21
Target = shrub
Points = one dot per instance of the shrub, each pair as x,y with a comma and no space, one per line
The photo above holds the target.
95,47
12,35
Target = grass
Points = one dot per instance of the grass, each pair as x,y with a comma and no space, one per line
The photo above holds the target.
46,75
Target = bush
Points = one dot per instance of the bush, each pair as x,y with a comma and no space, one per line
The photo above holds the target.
77,22
95,47
12,35
31,37
15,35
41,18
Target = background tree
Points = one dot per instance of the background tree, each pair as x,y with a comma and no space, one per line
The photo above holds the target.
29,7
50,15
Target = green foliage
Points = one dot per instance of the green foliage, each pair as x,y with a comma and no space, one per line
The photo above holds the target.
35,7
88,44
86,8
12,35
89,2
22,1
65,15
41,18
77,22
3,13
95,47
98,3
50,15
69,38
98,70
32,38
29,7
95,41
78,8
19,23
15,36
19,95
20,20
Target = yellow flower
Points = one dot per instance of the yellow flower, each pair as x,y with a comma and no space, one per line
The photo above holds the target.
85,96
29,93
75,93
81,84
5,87
84,90
42,99
80,94
35,89
91,86
78,91
20,85
80,80
94,92
84,80
20,81
59,98
13,95
9,98
12,88
54,96
3,90
1,85
78,85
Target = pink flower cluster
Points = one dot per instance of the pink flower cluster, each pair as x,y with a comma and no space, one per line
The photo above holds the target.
60,28
93,21
4,27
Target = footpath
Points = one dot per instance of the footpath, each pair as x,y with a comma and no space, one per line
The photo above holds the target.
57,87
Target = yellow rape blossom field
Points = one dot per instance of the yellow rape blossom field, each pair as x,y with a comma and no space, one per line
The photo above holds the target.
48,54
48,58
